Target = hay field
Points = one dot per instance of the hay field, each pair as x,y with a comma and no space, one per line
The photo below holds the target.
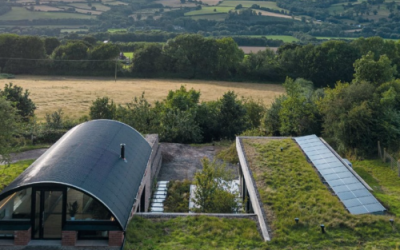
75,94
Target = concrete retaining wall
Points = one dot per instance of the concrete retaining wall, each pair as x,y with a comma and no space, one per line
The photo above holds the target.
253,192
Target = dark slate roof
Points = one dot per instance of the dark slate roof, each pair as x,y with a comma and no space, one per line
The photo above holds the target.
88,158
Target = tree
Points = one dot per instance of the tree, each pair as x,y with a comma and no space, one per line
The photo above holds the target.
104,54
192,54
8,128
55,120
140,115
179,126
147,60
349,117
229,57
103,108
212,193
232,116
20,100
271,121
298,114
50,43
90,39
376,72
182,99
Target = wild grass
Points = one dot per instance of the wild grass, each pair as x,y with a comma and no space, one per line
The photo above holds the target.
74,95
383,180
178,197
229,154
9,173
197,232
290,187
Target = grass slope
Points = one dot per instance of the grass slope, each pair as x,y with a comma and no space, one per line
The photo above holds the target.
290,187
8,174
20,13
75,94
199,232
384,180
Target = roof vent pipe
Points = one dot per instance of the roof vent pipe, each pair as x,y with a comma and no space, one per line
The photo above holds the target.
123,151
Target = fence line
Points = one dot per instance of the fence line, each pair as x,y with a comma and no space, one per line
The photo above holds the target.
387,158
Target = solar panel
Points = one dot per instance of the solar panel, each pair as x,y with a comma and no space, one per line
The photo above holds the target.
351,192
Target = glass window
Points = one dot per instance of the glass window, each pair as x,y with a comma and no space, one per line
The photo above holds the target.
92,235
6,234
81,206
16,206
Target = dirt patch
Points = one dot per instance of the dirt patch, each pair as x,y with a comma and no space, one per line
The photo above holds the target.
181,161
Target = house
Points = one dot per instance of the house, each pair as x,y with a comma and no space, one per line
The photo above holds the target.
87,185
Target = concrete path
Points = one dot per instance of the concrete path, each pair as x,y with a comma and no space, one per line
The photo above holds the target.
27,155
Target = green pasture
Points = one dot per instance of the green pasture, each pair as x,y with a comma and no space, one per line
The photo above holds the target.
335,38
286,39
128,54
20,13
85,6
209,10
248,4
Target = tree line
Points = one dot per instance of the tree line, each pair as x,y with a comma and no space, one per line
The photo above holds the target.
192,56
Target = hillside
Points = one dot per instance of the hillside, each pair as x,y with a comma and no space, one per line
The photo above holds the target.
302,19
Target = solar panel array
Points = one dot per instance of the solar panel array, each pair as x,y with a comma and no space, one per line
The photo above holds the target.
352,193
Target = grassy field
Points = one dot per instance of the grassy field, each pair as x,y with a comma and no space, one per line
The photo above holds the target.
75,95
290,187
209,10
20,13
8,174
128,54
189,233
248,4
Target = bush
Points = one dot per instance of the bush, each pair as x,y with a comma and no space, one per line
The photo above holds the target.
178,197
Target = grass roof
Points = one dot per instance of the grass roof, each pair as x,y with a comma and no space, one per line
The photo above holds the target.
290,187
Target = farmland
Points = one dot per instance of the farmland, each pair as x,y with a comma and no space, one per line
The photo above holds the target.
20,13
75,95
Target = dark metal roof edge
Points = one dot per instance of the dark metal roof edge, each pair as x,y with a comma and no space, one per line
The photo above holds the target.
134,201
119,123
69,185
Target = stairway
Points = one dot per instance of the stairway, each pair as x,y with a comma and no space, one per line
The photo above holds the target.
159,196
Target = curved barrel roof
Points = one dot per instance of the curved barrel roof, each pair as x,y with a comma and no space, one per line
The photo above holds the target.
88,158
